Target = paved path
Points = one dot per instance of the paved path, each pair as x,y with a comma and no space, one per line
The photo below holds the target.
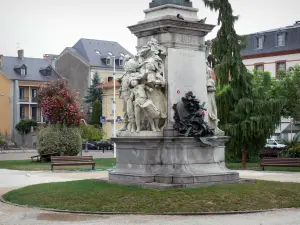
22,216
26,155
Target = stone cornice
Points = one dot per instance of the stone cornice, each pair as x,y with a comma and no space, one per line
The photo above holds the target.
171,6
170,24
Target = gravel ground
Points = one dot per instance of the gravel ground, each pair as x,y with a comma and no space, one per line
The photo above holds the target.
13,215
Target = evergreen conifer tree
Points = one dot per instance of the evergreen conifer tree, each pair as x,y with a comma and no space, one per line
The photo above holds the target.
93,92
96,113
249,118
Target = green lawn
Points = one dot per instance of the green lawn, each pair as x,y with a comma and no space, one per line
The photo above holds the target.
90,195
109,163
31,166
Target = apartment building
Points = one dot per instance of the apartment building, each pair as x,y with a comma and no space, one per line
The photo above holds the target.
273,50
20,78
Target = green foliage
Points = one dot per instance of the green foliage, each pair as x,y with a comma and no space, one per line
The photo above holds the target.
2,141
93,92
288,89
248,112
91,133
66,141
293,151
232,77
97,112
24,126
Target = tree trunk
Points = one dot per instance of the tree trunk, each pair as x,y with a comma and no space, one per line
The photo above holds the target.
244,159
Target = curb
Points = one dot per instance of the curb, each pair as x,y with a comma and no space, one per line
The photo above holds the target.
138,213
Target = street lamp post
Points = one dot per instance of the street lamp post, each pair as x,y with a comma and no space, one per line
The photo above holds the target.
114,104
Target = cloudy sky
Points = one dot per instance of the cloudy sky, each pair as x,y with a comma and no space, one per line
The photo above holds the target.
40,26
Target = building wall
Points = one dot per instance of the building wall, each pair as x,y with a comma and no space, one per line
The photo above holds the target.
270,62
104,74
75,71
5,105
107,107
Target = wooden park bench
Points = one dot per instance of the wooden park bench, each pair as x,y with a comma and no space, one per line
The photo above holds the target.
269,152
72,161
286,162
44,157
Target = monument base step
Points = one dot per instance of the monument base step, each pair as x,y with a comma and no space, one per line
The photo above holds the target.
174,181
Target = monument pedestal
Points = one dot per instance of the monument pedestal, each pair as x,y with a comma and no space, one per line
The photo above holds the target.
164,162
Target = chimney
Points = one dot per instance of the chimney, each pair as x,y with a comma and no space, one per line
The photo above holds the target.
1,61
21,54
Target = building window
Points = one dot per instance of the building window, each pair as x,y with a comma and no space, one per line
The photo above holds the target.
259,67
22,94
259,42
48,73
108,61
22,112
121,62
280,67
33,95
34,113
23,72
109,79
280,40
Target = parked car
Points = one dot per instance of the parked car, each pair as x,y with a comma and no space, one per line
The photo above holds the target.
274,144
91,145
105,145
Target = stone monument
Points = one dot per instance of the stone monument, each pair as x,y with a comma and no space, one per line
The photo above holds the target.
170,138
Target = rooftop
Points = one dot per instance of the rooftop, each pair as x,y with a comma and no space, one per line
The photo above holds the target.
269,41
95,51
32,65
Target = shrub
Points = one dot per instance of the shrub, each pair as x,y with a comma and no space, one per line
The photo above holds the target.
91,133
2,141
66,141
292,152
59,105
97,112
24,127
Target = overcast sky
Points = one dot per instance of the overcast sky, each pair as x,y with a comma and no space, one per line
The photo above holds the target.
49,26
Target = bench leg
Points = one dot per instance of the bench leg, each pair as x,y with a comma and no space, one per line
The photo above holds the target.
263,168
93,168
52,168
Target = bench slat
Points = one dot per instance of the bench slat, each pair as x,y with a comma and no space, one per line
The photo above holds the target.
287,162
72,161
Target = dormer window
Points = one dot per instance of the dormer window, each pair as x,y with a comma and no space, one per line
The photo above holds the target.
46,71
108,61
259,42
280,40
21,70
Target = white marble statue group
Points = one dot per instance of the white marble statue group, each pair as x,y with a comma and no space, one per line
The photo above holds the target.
142,90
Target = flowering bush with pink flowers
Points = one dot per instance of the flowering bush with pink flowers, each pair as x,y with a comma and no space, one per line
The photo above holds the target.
59,105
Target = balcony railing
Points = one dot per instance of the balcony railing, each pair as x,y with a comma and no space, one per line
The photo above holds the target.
33,99
24,99
37,119
27,99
